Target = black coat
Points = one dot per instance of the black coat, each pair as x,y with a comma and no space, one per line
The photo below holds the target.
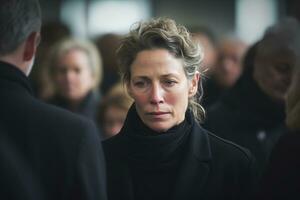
247,117
61,150
87,108
282,176
15,175
212,168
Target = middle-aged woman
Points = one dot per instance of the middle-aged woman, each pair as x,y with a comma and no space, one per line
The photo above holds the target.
162,152
76,72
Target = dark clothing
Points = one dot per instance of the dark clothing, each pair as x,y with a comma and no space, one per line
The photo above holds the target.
282,177
62,150
212,93
87,108
110,79
155,165
249,118
15,175
193,163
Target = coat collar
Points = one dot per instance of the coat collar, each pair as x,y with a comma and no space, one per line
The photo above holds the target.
195,166
12,74
193,171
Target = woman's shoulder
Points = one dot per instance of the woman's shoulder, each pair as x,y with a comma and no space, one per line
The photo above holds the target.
223,148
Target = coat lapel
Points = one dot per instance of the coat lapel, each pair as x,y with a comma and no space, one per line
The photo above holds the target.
196,167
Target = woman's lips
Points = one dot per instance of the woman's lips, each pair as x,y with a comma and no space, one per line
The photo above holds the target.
158,116
157,113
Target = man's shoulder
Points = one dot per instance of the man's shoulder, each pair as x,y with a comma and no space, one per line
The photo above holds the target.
61,117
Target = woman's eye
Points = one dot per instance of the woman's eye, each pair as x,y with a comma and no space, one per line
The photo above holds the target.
140,84
170,83
283,68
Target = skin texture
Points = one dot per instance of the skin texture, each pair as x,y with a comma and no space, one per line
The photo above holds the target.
73,76
160,89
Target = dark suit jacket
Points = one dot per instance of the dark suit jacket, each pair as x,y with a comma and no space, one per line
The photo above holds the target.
62,150
212,169
15,175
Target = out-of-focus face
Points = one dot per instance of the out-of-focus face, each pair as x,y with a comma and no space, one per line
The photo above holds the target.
114,118
210,53
273,73
293,102
73,77
160,89
229,65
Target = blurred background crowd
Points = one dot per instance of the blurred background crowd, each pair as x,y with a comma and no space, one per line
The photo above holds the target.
249,54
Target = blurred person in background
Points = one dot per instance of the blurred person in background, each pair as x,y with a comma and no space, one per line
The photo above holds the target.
107,45
52,33
112,111
252,113
208,41
76,72
282,175
227,70
161,151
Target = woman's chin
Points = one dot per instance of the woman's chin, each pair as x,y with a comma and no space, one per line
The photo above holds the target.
159,127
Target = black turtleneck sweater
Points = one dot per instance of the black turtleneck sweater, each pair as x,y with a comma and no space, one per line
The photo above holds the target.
249,118
154,158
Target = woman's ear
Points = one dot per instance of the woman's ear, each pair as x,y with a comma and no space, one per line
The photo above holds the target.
194,84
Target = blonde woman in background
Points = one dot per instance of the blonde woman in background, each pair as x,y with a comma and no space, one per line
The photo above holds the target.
76,71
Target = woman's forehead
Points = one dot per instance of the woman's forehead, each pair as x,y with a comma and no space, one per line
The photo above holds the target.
156,62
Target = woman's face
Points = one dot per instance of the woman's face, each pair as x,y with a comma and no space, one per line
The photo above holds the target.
73,76
160,88
273,74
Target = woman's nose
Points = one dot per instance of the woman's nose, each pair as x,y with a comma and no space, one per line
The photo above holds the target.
157,95
70,76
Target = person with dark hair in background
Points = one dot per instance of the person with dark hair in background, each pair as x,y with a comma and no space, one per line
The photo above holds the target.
252,113
161,151
61,151
107,45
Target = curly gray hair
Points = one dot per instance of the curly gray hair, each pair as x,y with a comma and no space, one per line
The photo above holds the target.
166,34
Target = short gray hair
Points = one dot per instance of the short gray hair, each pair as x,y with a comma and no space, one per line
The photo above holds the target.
18,19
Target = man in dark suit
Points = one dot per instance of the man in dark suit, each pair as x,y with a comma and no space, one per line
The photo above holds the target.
59,152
